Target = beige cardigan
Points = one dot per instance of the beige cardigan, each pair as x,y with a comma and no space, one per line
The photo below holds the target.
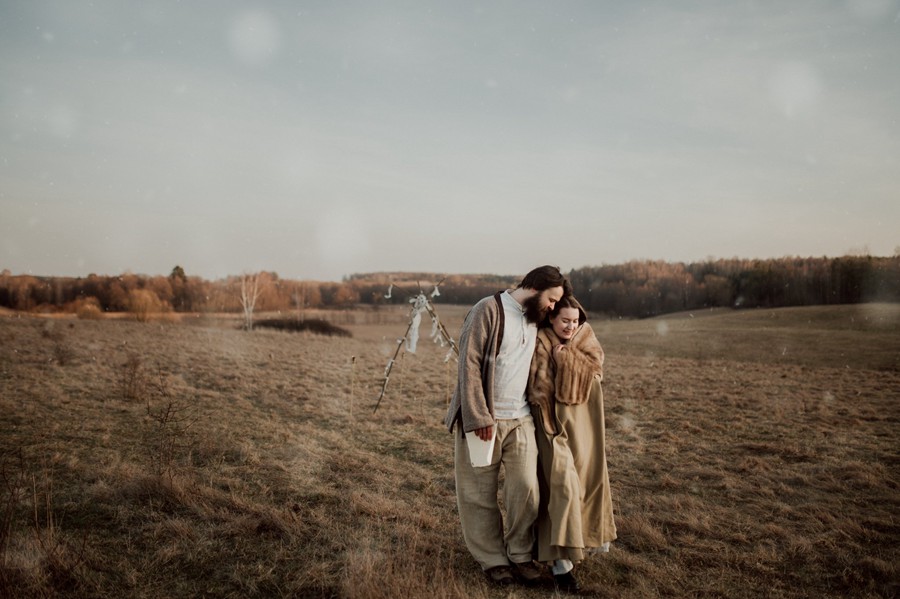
479,341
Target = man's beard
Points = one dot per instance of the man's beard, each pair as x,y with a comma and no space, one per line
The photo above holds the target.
533,311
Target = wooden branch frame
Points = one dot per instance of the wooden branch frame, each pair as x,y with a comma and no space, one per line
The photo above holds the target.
445,335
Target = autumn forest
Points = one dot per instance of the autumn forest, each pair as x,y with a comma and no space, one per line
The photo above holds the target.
635,289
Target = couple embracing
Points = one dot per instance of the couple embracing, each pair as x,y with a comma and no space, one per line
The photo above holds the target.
529,379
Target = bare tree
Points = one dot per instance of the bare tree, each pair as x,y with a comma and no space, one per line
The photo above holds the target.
251,287
301,298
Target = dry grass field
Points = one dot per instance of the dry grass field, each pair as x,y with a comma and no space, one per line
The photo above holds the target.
751,454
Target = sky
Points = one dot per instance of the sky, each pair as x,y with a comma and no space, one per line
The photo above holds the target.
322,139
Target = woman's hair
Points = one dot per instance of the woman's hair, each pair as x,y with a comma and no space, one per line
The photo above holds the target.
567,301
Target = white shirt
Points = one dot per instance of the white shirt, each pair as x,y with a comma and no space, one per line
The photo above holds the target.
513,362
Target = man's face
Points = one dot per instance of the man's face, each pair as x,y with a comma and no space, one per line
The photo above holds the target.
538,305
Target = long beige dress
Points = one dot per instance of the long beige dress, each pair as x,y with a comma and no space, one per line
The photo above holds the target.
575,512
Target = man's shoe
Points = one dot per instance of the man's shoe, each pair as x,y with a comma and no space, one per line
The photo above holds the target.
500,575
567,582
528,572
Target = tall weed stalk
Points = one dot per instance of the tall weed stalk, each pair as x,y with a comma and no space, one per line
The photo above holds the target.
168,435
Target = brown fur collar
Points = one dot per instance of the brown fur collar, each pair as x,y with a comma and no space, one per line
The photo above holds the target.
567,380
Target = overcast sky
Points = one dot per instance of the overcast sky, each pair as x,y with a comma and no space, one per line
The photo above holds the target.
321,139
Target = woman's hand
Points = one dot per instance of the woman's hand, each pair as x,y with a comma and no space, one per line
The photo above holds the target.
557,351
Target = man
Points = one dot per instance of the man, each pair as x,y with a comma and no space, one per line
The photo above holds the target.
495,348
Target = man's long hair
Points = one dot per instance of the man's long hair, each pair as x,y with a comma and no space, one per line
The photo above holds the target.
545,277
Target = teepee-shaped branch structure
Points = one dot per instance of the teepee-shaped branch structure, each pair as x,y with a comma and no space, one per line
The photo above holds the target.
420,303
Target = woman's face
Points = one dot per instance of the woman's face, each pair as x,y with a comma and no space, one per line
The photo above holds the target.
565,323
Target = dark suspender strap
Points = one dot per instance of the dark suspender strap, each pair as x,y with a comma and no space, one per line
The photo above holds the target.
502,322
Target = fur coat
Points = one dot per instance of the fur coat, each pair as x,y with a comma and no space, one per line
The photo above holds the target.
570,380
575,513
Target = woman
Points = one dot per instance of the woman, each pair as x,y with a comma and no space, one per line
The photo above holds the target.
575,515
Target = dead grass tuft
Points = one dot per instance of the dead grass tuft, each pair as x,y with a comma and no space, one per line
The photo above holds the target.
637,531
133,378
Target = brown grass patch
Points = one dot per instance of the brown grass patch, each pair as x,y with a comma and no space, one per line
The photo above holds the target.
743,471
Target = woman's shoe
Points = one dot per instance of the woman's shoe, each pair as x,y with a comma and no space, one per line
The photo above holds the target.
567,582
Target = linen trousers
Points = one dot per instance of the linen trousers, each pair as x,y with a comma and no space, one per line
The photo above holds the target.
476,495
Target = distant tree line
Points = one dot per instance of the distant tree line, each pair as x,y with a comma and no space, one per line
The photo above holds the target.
178,292
642,289
634,289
